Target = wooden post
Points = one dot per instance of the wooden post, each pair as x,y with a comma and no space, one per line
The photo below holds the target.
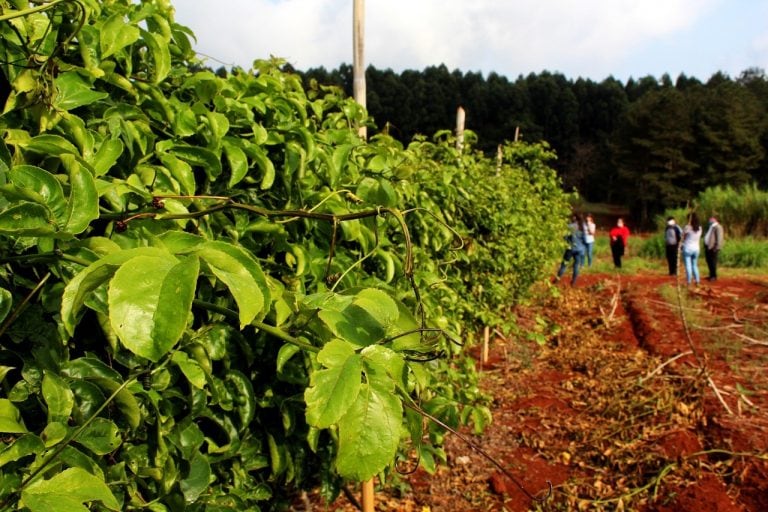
499,159
517,133
460,118
359,93
486,343
358,61
368,496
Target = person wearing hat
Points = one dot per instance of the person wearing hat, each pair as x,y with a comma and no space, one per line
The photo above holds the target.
672,237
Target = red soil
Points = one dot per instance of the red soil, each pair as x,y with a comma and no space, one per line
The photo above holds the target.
642,398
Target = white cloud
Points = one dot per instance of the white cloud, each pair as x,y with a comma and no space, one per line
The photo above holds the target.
591,38
522,35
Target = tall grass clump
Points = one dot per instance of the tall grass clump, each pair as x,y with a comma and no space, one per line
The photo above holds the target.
745,253
742,211
652,247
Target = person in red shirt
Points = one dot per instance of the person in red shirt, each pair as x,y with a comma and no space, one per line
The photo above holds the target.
619,235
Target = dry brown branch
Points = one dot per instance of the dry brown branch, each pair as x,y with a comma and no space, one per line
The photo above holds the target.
689,339
751,340
665,363
718,394
731,328
608,319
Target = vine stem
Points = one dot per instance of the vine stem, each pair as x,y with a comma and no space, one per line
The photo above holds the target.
270,329
482,452
702,364
21,307
32,10
47,461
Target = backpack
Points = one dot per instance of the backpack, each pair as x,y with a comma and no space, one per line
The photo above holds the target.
672,235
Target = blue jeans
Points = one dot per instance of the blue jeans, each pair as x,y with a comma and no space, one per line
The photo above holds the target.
578,261
690,259
590,247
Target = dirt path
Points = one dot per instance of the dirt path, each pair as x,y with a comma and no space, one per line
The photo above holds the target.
637,399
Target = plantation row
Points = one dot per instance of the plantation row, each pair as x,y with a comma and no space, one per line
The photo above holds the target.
213,293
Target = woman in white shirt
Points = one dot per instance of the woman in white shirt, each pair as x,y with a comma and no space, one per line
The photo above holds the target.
589,237
691,248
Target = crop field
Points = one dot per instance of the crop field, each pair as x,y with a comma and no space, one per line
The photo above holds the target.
639,399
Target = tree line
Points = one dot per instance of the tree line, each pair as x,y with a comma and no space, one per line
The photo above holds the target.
648,143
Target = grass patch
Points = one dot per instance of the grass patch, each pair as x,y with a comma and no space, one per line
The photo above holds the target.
741,253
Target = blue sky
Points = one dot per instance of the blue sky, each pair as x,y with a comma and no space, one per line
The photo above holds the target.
587,38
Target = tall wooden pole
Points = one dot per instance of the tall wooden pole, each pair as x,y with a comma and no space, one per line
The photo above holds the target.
358,91
460,119
358,61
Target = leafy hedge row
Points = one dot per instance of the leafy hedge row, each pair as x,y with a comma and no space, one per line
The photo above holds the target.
212,291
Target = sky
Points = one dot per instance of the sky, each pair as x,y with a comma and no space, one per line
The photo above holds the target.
592,39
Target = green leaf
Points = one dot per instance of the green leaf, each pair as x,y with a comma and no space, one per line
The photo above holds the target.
181,172
286,352
333,390
189,438
58,397
89,368
54,433
83,204
190,368
115,35
93,276
108,153
6,161
27,444
197,479
74,458
10,419
73,91
179,242
242,275
197,156
6,301
185,122
259,155
5,369
369,433
378,304
101,436
67,492
27,219
361,319
385,366
161,55
39,185
124,399
218,125
238,162
149,302
49,144
241,389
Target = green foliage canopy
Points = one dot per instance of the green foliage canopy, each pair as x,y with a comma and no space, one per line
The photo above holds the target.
212,291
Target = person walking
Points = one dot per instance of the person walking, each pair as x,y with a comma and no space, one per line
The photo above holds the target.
672,236
576,248
619,235
713,242
691,248
589,237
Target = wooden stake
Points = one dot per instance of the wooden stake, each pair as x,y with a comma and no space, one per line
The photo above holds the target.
368,500
486,343
359,93
358,61
460,118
